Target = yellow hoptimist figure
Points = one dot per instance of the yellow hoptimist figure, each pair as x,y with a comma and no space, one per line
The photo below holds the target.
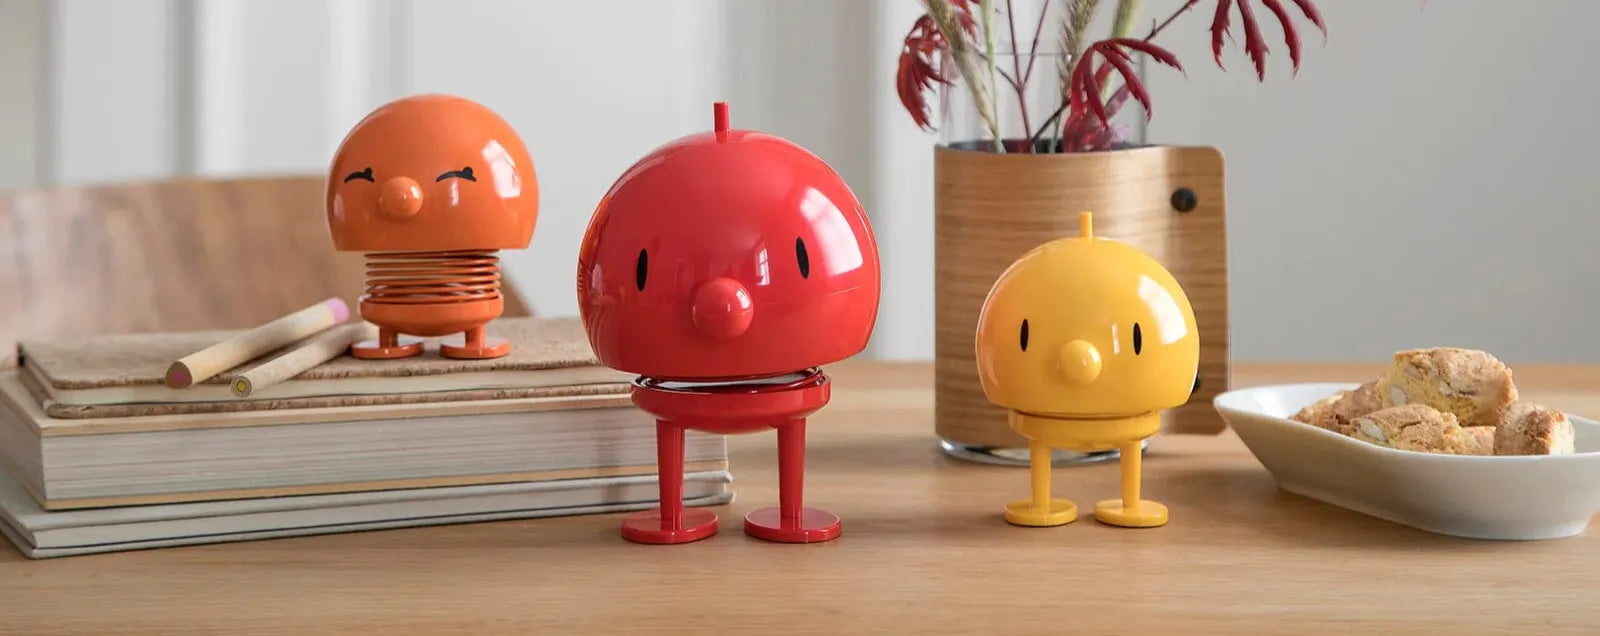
1086,340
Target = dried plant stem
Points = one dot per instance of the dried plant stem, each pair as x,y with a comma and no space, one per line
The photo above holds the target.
1016,68
1157,28
1127,10
986,7
1033,50
944,17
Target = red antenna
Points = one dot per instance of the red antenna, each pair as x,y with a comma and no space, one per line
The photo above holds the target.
719,114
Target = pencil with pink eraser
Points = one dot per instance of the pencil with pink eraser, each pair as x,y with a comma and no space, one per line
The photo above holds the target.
208,362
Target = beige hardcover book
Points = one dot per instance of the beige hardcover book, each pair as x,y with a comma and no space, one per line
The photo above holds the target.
148,459
122,375
43,534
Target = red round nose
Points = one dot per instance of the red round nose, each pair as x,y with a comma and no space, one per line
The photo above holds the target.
722,309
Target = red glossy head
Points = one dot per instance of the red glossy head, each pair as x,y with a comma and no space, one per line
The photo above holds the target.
431,173
728,254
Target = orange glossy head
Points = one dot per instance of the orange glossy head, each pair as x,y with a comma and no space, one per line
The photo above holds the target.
431,173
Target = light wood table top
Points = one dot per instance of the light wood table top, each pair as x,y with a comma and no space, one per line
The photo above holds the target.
924,551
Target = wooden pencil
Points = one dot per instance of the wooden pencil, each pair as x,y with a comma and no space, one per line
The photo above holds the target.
316,350
208,362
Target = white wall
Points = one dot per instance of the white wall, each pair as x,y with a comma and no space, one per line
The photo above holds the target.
21,90
1428,179
1435,155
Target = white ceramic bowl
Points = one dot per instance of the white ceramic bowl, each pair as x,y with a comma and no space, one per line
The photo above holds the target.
1505,497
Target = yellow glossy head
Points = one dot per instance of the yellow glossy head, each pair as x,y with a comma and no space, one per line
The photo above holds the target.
1087,327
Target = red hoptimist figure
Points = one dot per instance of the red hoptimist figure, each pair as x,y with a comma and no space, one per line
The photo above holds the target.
725,268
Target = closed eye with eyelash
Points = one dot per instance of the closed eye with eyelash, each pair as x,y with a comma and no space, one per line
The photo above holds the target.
464,173
361,174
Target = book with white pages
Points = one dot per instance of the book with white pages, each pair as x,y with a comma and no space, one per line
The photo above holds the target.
40,534
84,463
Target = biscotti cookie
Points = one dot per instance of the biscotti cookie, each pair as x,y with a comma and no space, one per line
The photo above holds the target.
1528,429
1482,439
1468,383
1312,411
1415,427
1335,413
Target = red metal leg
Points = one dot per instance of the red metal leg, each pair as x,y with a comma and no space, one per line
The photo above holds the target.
669,523
791,522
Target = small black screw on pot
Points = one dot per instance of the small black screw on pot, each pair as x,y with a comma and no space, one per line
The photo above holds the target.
1183,200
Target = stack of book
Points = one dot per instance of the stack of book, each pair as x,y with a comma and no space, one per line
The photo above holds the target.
101,456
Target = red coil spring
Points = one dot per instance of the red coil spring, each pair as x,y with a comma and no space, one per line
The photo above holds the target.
433,277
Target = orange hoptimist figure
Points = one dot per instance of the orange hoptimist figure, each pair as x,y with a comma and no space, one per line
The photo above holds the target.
1085,341
431,187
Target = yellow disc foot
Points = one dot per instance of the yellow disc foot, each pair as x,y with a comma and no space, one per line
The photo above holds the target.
1147,514
1023,513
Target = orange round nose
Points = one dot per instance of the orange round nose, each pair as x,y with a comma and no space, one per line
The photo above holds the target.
722,309
401,198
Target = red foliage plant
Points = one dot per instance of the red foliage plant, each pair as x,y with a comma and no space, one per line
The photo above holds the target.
918,59
1084,117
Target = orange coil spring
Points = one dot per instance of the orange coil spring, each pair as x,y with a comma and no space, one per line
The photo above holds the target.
433,277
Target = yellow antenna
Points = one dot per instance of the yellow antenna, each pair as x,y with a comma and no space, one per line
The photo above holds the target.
1086,224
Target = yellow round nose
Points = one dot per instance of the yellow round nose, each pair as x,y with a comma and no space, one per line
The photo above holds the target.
1079,362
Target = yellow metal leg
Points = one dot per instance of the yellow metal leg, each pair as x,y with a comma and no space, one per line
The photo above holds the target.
1142,513
1040,510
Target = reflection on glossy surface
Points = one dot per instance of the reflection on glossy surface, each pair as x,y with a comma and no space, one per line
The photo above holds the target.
831,227
1172,324
743,207
466,178
503,167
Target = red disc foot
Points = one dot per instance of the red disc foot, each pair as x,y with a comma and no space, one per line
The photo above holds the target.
492,348
814,526
646,527
371,350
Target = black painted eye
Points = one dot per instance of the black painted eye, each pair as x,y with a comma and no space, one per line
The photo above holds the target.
1138,339
641,270
803,258
1024,334
464,173
362,174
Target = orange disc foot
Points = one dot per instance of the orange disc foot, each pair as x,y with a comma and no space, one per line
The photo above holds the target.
813,526
646,527
371,350
491,348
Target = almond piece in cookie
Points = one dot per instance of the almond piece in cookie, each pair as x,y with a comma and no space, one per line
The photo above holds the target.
1529,429
1468,383
1415,427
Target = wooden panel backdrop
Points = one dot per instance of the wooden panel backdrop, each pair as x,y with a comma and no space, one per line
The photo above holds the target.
169,256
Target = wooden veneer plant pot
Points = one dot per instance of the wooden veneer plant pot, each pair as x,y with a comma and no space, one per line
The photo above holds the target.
990,208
